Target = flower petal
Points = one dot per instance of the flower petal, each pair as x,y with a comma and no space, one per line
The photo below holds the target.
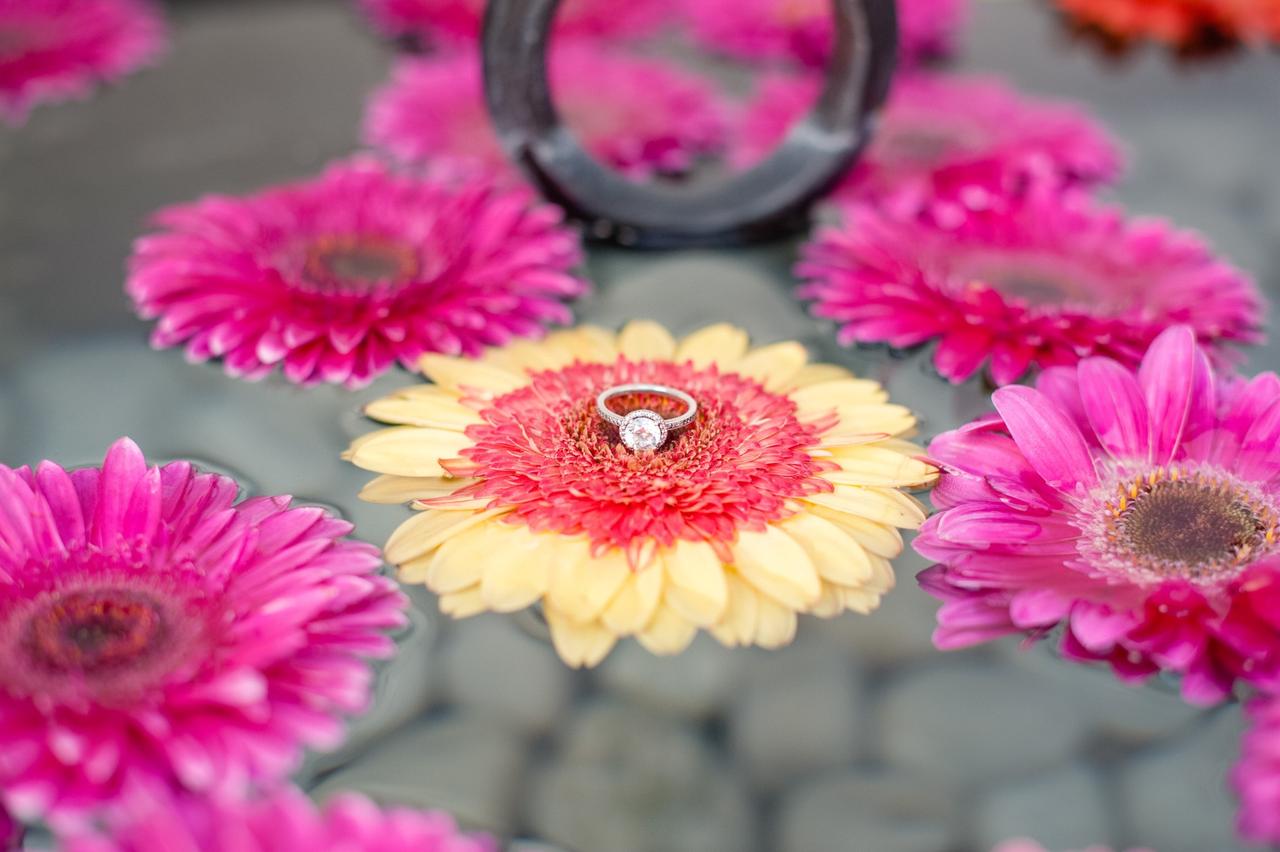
773,563
722,345
406,450
1114,404
696,586
1047,437
642,340
668,632
579,644
1167,376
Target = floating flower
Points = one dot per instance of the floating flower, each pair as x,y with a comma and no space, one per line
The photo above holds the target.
782,497
1257,777
284,821
54,50
1136,511
1190,26
433,21
946,140
1046,281
337,278
801,31
638,115
153,628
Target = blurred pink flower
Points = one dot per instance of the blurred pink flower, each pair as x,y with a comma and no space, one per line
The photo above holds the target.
955,143
337,278
433,21
1257,777
284,821
801,30
1023,845
152,628
54,50
638,115
1047,280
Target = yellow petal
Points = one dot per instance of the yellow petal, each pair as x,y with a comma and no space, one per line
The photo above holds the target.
469,377
880,421
775,625
582,586
519,572
829,605
878,539
459,562
824,398
391,489
861,601
883,579
667,633
720,344
463,604
813,374
873,465
406,450
438,409
773,366
579,644
834,553
696,586
738,627
587,343
633,606
646,341
882,505
773,563
424,532
524,356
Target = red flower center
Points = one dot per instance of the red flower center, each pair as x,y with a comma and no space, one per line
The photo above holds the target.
95,631
1198,526
358,263
545,450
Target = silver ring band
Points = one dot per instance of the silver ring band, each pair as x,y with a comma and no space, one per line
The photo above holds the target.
643,429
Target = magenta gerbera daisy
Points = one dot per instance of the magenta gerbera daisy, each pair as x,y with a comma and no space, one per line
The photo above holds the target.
151,627
283,821
801,31
337,278
1134,510
635,114
952,142
53,50
1045,281
435,21
1257,777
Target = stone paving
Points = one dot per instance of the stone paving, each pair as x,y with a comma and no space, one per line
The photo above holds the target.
860,737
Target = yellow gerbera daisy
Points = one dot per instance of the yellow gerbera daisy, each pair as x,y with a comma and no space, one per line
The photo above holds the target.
782,497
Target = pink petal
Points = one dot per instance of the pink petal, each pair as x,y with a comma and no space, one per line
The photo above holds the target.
1168,375
1113,403
1050,441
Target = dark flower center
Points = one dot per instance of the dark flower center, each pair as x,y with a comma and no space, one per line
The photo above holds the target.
95,631
1198,527
359,263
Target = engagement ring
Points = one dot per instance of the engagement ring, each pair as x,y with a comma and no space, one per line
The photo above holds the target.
643,429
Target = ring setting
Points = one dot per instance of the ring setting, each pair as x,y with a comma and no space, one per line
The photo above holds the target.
643,430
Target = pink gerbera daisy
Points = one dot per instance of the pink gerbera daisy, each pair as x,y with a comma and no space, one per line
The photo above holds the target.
953,142
52,50
460,20
284,821
336,278
801,31
153,628
1257,777
1135,511
638,115
1047,280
